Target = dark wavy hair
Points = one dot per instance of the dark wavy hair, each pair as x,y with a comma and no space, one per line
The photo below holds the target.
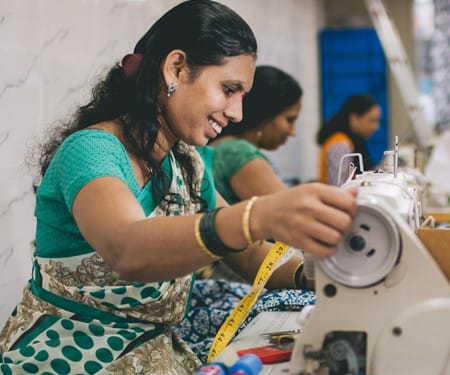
207,32
358,104
273,91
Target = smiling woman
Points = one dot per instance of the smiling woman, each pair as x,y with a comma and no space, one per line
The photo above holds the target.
270,112
126,210
221,86
240,169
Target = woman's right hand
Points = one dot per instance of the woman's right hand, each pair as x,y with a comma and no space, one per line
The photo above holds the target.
313,217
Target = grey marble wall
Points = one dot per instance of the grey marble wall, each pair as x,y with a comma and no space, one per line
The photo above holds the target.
51,51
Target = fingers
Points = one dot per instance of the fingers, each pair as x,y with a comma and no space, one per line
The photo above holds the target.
313,217
353,191
337,219
340,199
318,239
331,206
317,248
325,216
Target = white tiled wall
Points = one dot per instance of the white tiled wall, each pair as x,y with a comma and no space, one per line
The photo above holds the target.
50,53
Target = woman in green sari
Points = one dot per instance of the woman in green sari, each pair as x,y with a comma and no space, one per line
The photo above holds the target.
270,111
126,210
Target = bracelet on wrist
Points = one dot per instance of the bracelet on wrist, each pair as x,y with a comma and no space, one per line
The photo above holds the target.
199,239
210,237
246,224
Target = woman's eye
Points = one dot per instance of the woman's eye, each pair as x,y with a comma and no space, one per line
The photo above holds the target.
228,90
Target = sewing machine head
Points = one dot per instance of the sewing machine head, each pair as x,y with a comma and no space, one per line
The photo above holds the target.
402,190
382,302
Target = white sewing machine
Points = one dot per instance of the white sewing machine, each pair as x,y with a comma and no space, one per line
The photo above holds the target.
383,304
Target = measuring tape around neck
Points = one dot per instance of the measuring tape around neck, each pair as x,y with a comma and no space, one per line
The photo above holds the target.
241,311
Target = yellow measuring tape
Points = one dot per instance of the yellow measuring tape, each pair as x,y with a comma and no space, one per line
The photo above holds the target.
240,312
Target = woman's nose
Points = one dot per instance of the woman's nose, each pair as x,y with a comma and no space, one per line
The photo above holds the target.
233,111
293,131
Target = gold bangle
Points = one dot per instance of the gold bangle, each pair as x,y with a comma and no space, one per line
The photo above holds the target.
246,223
295,276
199,240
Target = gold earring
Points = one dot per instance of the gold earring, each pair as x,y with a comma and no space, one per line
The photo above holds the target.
259,134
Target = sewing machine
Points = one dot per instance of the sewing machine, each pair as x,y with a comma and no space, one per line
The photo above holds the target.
383,304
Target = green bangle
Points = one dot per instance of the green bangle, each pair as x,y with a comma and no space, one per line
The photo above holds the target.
210,237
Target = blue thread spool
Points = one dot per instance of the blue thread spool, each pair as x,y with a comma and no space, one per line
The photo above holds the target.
248,364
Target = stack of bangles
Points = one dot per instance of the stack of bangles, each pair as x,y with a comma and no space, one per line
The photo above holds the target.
208,238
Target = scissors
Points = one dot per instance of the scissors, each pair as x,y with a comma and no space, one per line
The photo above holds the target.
281,339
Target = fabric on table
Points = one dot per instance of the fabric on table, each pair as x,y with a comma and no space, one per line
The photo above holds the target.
213,300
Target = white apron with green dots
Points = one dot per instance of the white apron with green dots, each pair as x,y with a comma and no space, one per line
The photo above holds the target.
78,317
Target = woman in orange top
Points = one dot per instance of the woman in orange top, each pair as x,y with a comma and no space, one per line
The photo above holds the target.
345,133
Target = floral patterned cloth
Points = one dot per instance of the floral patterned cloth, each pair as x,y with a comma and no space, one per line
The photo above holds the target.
212,301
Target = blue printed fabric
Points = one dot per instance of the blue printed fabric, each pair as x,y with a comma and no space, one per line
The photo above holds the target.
212,301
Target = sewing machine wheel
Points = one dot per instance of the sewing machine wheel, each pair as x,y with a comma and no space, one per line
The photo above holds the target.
368,253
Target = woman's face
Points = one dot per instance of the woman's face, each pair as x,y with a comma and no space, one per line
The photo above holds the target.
367,123
201,106
276,131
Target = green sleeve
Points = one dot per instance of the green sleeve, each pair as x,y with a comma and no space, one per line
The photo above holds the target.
85,156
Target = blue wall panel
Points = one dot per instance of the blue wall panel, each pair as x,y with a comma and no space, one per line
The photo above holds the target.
352,62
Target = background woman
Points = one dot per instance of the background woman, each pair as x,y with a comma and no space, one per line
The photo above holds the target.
346,132
270,112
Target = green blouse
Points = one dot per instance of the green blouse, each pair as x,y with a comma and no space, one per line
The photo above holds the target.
84,156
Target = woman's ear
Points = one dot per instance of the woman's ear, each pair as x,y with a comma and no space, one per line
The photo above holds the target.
174,64
353,120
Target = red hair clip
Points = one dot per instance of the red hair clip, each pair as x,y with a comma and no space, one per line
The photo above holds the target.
131,63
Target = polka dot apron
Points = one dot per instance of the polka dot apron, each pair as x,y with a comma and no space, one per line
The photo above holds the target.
78,317
120,329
